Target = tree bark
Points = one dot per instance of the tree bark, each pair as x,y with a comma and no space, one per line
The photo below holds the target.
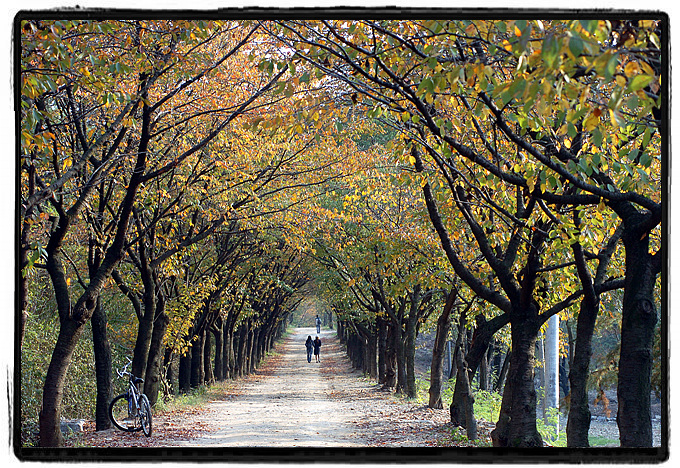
208,376
503,373
637,339
390,358
410,350
517,426
102,359
152,379
218,333
578,420
197,371
382,350
467,397
184,372
438,350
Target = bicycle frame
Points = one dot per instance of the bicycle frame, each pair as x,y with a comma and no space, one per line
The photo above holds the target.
136,405
133,392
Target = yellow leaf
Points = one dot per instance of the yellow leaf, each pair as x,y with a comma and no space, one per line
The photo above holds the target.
632,68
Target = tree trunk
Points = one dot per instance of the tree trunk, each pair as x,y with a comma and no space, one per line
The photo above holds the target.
638,324
390,358
504,372
171,366
438,350
197,373
481,339
401,357
208,376
53,390
578,420
517,427
140,355
241,363
152,378
457,407
382,350
371,350
410,352
250,365
102,359
483,376
184,374
218,371
230,356
467,397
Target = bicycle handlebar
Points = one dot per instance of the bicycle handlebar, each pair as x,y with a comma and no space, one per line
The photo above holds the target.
124,372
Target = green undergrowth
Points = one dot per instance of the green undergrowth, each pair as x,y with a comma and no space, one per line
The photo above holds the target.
196,397
487,408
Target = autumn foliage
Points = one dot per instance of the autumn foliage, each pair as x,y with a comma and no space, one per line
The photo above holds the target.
184,185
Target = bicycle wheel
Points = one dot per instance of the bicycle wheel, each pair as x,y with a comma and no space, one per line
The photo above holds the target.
145,415
120,414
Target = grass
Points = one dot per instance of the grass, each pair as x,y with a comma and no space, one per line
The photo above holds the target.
195,398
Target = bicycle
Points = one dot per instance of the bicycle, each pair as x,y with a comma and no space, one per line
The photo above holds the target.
131,411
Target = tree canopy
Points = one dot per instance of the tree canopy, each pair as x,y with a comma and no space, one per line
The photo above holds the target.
203,174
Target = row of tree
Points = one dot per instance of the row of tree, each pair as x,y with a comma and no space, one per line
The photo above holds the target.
206,170
142,175
540,141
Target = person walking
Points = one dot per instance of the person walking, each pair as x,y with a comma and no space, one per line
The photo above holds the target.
318,324
310,348
317,348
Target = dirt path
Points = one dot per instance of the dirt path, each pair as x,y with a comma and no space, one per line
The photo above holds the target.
287,404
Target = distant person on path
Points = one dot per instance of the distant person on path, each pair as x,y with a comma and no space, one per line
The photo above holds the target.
317,348
310,348
318,324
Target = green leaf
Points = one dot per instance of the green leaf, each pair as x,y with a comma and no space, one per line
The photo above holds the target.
638,82
575,46
550,51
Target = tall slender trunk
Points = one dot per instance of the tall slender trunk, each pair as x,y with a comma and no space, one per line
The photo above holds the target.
382,349
197,373
208,376
218,333
440,340
152,379
184,372
578,420
400,352
390,357
102,359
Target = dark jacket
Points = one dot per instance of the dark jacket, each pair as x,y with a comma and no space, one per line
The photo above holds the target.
309,343
317,345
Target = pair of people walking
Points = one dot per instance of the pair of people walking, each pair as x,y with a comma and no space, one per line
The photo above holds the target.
313,346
